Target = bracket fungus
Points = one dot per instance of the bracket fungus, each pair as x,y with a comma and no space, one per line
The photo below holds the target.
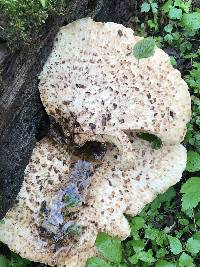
44,227
92,77
96,90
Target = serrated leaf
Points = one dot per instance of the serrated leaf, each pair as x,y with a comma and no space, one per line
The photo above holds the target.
197,235
193,245
167,5
175,245
160,253
151,233
145,7
133,259
109,247
191,21
146,256
190,191
175,13
185,5
193,161
185,260
4,261
137,245
154,7
168,28
144,48
137,223
96,262
164,263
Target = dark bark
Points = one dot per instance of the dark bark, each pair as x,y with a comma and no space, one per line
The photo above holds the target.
22,117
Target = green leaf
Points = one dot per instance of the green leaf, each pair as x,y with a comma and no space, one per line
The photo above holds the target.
146,256
2,222
138,245
167,6
96,262
156,142
193,161
193,245
144,48
17,261
197,235
183,221
145,7
185,260
109,247
175,245
151,233
185,5
191,21
168,195
133,259
43,2
161,253
175,13
173,61
168,28
137,223
154,7
164,263
190,191
4,261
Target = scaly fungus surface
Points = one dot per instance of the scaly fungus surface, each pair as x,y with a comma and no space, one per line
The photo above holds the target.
93,79
53,223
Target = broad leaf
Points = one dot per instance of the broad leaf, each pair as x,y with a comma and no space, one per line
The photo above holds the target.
164,263
175,245
167,5
185,260
146,256
138,245
109,247
4,261
145,7
191,195
193,245
137,223
193,161
175,13
144,48
191,21
17,261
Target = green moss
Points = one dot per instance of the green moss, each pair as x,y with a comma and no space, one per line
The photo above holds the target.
23,16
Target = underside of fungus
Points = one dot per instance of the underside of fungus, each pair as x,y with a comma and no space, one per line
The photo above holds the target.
44,228
95,89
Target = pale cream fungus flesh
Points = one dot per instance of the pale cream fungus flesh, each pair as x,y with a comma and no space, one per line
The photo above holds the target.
93,79
95,89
